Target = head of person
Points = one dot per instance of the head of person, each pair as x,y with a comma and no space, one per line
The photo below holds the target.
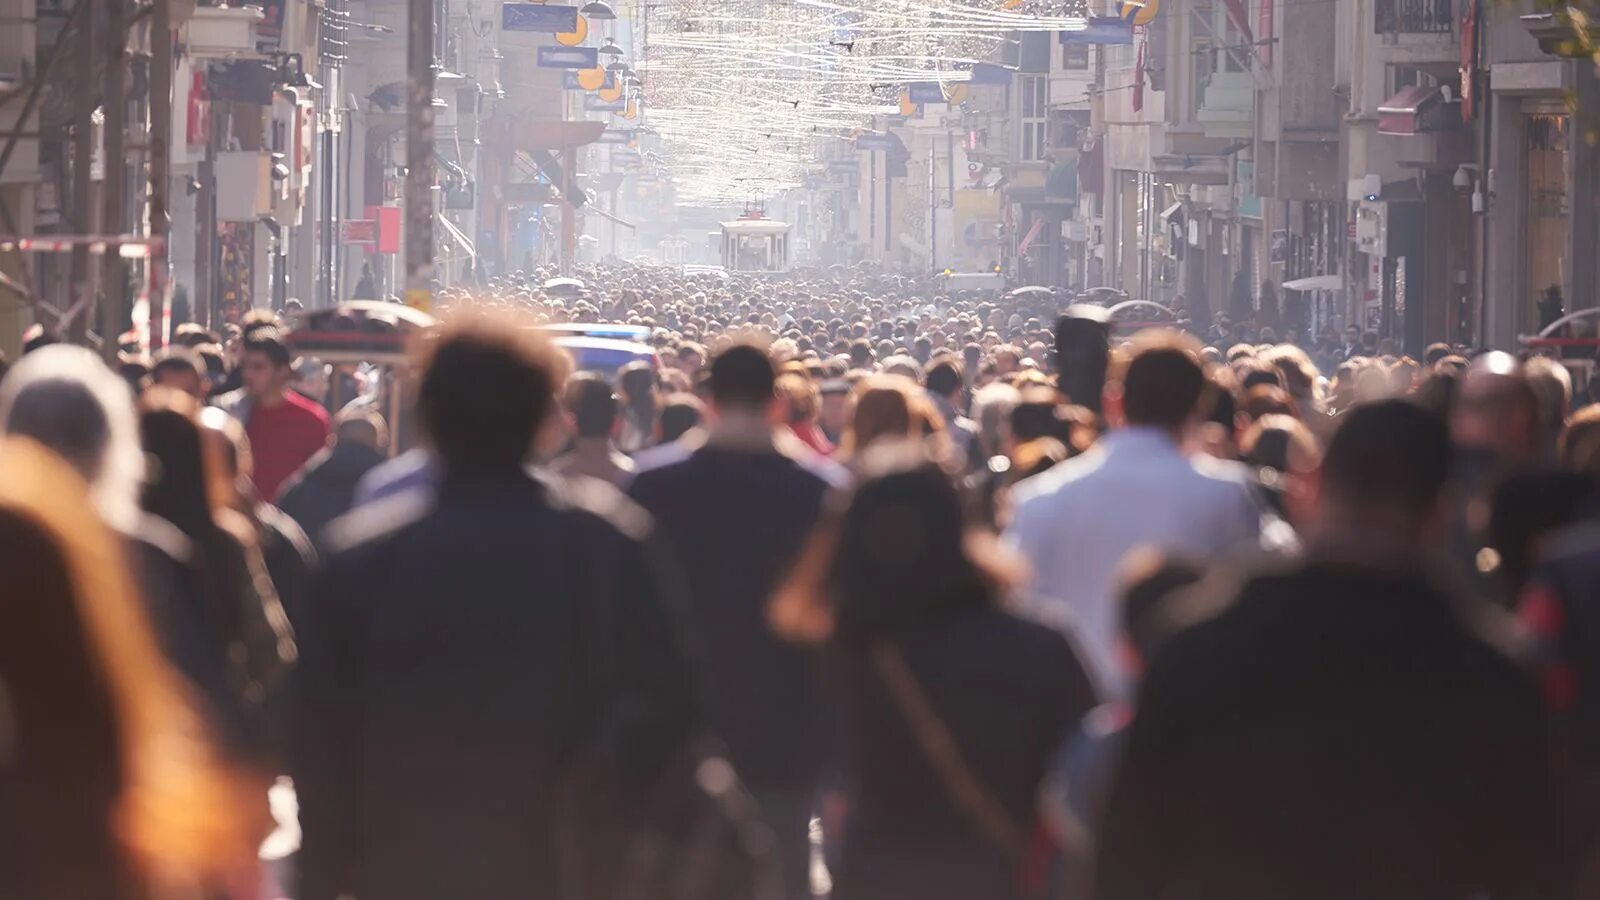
1382,476
182,484
1286,457
680,414
230,464
488,385
66,399
1496,411
590,405
1578,448
180,368
637,381
1265,400
1158,383
1150,585
991,410
947,380
1552,385
893,555
360,428
799,397
885,410
265,364
743,382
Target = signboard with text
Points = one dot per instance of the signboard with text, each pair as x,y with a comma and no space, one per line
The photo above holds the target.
554,57
1101,30
538,17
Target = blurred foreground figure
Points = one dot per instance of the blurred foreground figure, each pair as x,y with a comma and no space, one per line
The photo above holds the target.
1345,728
466,655
106,771
734,515
1139,485
950,706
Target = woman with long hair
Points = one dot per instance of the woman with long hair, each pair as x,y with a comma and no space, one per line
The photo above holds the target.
890,409
231,634
950,705
109,782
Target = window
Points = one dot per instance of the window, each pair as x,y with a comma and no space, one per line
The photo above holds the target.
1033,92
1075,57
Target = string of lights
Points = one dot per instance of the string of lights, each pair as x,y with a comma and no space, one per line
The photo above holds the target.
756,91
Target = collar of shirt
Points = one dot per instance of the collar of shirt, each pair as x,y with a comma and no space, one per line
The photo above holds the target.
1140,440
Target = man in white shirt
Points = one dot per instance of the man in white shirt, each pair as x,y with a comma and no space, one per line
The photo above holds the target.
1137,487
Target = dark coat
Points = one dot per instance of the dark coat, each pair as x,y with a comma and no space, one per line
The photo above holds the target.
325,488
1009,692
461,657
1334,733
735,522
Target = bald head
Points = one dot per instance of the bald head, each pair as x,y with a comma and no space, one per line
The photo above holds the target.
1497,410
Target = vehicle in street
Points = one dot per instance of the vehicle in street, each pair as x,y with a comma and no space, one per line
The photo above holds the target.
602,347
754,243
987,282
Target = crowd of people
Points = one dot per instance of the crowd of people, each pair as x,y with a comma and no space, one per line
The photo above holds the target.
859,589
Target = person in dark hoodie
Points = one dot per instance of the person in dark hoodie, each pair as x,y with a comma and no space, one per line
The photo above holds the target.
325,488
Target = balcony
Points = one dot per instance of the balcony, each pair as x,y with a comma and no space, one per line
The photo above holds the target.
1397,17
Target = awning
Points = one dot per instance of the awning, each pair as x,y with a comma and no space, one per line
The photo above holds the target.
1316,283
550,167
1403,113
608,216
459,238
1027,240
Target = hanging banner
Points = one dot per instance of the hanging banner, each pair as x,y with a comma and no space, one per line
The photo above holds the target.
616,136
538,17
925,92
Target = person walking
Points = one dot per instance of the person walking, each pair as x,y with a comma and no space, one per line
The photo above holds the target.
468,652
325,488
107,777
1161,495
285,428
1344,727
950,707
734,516
591,410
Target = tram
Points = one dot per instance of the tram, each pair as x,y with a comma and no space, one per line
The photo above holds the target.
754,243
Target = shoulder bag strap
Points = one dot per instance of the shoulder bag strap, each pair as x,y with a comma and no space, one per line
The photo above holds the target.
967,791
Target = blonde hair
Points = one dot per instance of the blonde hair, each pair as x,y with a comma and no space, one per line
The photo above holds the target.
182,812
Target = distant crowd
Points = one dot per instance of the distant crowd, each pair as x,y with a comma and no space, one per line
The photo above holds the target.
853,588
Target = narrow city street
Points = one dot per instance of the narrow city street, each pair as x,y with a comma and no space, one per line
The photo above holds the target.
799,449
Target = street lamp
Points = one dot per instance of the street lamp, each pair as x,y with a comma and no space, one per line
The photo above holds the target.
598,10
610,48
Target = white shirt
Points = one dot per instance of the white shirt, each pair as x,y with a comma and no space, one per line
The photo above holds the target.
1077,522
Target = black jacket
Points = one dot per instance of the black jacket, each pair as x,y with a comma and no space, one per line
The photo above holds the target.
1334,733
460,658
734,521
1008,692
325,488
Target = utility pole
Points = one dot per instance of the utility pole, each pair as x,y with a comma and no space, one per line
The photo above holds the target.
113,272
81,277
206,301
419,155
160,164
